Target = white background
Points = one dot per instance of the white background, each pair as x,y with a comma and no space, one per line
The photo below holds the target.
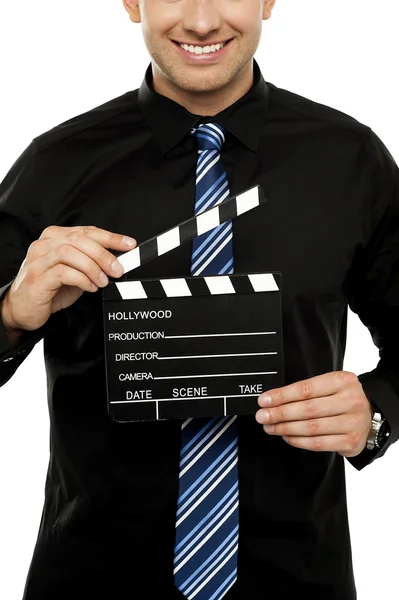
59,59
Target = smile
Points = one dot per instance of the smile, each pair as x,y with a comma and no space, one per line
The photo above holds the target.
210,49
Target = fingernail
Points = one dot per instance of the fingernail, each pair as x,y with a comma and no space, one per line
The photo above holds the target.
128,241
269,428
265,400
265,415
103,278
116,268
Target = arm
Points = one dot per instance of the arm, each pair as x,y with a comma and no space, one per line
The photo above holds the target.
13,335
37,279
373,289
18,229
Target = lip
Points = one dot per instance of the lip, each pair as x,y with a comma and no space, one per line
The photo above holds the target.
203,58
204,44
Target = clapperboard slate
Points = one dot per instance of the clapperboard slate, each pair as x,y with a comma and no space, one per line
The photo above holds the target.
192,346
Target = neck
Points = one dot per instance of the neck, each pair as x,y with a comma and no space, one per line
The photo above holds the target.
204,103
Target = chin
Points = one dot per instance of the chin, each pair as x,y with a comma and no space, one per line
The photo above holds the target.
199,84
196,79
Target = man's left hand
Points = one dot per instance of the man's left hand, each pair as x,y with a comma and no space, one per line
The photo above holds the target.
329,412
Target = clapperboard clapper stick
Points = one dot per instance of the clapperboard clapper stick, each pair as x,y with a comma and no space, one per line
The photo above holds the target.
188,230
192,346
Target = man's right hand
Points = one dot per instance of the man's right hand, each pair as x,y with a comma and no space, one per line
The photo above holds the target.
62,264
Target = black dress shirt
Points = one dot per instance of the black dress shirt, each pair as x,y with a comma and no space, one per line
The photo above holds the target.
330,226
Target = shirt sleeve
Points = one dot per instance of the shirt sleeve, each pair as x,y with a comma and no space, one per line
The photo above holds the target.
18,229
373,288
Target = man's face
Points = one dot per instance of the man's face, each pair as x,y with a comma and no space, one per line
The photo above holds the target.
167,23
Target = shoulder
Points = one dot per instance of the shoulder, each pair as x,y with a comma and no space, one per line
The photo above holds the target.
58,161
100,120
302,108
304,115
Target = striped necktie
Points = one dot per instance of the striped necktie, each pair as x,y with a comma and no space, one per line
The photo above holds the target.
205,556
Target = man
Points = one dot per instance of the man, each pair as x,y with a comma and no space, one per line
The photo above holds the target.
132,167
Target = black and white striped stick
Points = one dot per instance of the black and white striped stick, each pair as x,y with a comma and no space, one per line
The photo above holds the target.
211,285
188,230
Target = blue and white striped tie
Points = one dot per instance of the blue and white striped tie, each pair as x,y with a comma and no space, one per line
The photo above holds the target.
205,558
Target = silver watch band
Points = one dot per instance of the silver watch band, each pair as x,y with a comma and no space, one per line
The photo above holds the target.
372,439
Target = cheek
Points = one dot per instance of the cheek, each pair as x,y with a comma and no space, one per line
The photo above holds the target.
159,18
245,16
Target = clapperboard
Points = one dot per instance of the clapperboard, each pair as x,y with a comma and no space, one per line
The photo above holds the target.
192,346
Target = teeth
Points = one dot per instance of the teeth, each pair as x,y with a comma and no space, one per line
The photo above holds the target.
202,50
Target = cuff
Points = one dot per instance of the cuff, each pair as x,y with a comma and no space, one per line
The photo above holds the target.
27,340
384,398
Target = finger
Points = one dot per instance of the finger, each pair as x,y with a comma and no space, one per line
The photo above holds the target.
69,255
325,406
53,279
105,260
105,238
320,385
337,425
327,443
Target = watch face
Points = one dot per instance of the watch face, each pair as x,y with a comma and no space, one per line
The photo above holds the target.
382,434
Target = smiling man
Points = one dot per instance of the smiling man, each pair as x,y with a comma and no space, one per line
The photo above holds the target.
201,50
242,507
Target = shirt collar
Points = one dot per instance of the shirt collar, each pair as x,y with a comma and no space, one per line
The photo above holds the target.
170,121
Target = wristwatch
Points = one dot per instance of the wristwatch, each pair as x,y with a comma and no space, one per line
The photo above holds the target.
379,431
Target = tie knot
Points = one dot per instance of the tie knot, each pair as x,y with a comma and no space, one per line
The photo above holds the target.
209,136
